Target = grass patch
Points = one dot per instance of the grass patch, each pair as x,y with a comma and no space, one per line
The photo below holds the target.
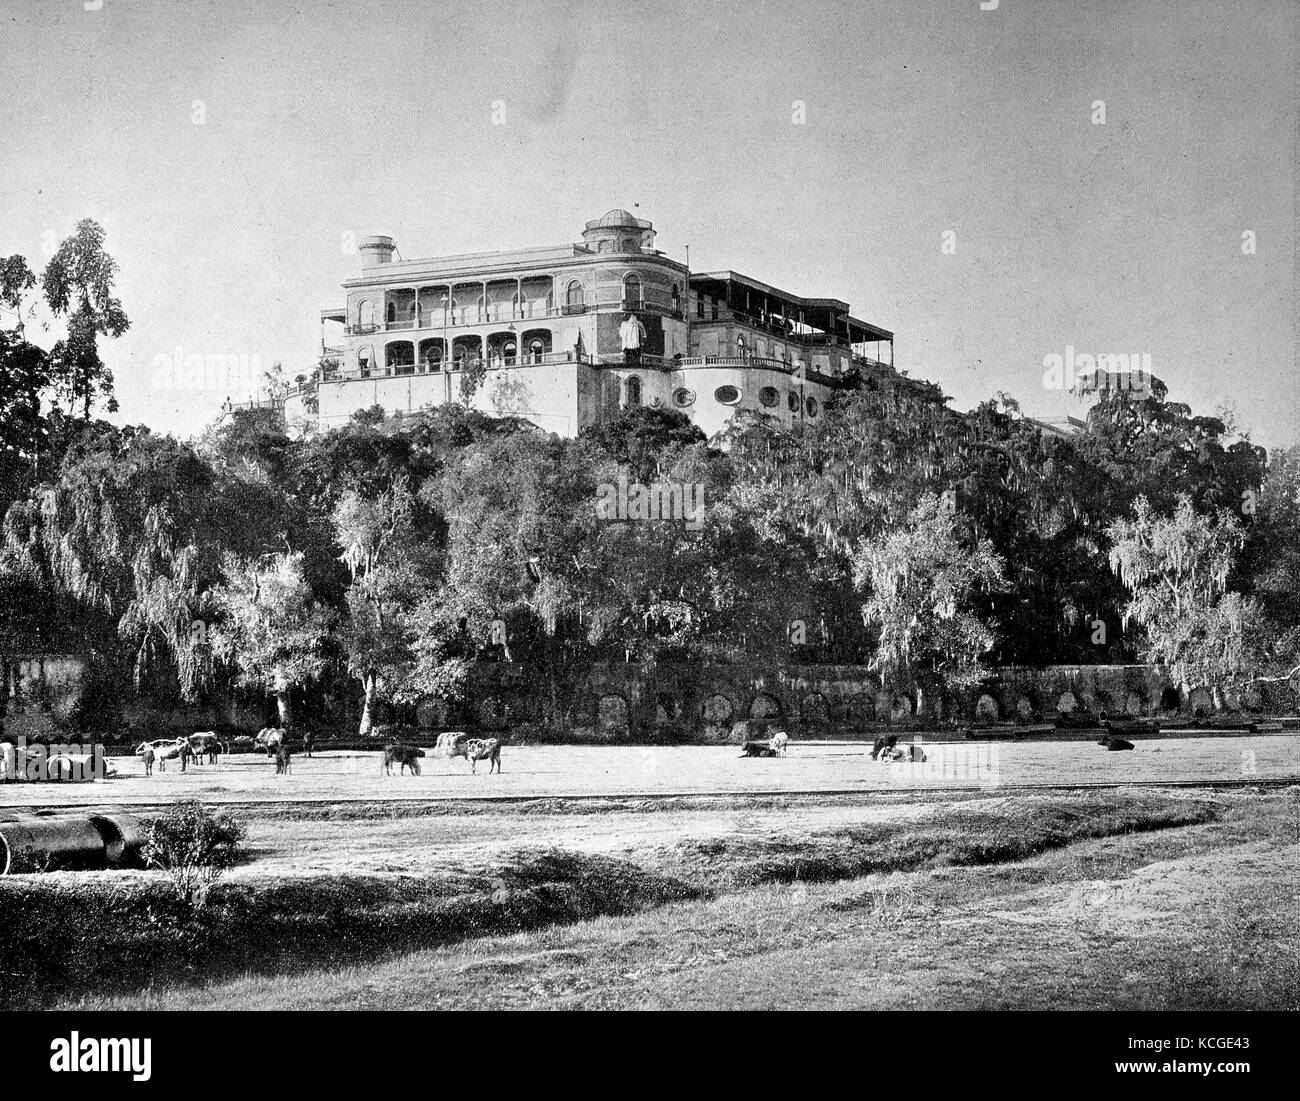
64,934
976,833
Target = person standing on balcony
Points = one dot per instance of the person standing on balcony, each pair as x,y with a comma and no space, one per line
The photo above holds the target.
632,333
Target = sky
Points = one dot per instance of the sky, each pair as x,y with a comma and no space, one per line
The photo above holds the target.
994,186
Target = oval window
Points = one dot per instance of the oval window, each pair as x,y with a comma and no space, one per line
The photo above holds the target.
727,395
811,405
768,396
792,400
683,397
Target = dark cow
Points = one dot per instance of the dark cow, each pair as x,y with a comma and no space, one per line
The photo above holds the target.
207,743
404,756
283,761
1112,743
883,742
758,749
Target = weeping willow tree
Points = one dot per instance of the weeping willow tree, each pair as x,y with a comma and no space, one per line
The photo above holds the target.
390,579
125,531
271,630
919,580
1176,569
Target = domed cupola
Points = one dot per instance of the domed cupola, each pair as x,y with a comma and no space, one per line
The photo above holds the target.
618,231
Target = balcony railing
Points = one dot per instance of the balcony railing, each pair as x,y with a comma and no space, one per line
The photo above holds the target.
463,319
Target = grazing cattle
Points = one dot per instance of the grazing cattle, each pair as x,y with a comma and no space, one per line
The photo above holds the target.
883,742
206,743
283,761
164,750
270,738
404,756
479,749
146,752
1113,743
779,741
757,749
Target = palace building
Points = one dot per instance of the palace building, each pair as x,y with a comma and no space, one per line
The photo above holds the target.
566,336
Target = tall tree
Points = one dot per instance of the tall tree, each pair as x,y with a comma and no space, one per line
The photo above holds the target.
919,579
270,628
1176,567
78,283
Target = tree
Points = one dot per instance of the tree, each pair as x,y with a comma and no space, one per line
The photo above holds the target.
272,630
920,580
1176,568
384,557
78,283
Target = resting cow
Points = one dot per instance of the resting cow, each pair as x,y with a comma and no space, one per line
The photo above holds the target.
1112,743
903,753
404,756
757,749
883,742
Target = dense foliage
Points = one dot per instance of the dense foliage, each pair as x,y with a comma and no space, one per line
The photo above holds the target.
382,560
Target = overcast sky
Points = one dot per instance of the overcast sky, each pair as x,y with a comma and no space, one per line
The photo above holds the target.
231,148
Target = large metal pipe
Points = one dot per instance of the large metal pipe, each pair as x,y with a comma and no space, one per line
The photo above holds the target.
50,843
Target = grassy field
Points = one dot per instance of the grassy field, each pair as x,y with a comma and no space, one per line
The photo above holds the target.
557,771
1059,903
897,899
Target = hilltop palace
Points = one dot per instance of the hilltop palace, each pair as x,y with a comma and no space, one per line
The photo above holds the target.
566,336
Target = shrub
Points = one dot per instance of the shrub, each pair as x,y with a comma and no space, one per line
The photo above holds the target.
194,847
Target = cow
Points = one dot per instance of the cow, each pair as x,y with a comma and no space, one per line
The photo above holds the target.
479,749
283,762
270,738
164,750
779,741
308,740
1113,743
912,753
208,743
146,751
757,749
883,742
404,756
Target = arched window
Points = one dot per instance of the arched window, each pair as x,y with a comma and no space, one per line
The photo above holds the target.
632,293
391,314
365,315
633,391
536,344
677,299
573,296
431,354
399,355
